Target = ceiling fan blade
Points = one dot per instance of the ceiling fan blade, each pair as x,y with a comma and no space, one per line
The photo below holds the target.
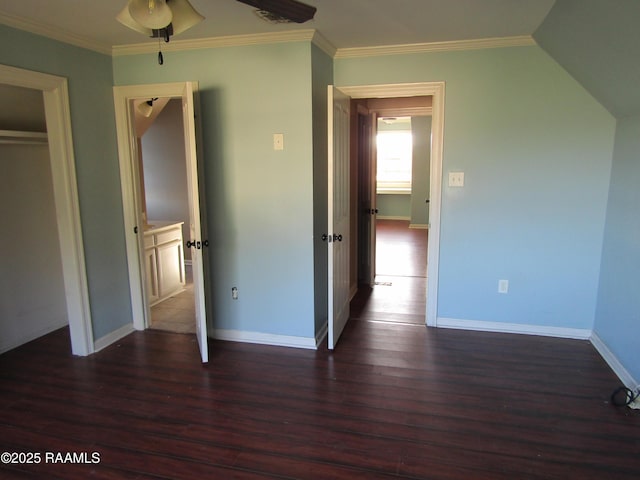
293,10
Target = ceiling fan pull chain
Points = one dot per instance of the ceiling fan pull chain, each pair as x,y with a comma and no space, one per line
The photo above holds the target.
160,57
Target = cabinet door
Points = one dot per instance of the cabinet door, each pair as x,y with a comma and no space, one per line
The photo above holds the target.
151,264
170,268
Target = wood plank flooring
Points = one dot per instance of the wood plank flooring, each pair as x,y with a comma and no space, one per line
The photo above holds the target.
392,401
400,293
395,400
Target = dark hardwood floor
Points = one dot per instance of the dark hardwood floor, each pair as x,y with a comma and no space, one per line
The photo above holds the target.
392,401
395,400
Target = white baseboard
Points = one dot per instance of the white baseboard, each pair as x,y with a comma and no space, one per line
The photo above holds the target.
113,337
617,367
419,226
499,327
392,217
265,338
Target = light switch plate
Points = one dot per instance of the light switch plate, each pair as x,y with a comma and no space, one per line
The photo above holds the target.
456,179
278,141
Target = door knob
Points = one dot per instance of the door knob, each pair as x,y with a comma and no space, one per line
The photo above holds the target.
190,244
337,238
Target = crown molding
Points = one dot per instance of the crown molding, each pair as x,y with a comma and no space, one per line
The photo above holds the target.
308,35
458,45
38,28
215,42
323,44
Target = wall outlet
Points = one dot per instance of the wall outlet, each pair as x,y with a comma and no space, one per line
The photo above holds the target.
503,286
234,293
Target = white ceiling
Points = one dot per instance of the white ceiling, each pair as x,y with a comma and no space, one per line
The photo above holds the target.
344,23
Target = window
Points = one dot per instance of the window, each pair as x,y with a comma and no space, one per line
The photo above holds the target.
394,142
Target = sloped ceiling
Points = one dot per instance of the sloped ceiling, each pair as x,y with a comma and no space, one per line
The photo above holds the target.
598,43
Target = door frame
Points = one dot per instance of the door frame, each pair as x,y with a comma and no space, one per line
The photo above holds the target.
437,91
130,185
65,192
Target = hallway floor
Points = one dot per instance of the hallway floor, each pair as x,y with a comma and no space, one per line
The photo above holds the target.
399,295
178,313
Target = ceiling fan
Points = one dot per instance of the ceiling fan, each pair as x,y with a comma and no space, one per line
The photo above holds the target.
164,18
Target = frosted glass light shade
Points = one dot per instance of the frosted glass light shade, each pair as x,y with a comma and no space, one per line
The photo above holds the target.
151,13
145,109
125,18
184,15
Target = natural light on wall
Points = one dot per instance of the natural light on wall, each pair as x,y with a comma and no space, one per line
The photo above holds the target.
395,146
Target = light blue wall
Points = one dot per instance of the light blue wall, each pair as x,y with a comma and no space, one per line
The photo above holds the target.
393,205
618,313
536,150
259,201
94,140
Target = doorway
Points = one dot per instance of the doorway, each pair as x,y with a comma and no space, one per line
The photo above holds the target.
61,161
434,90
400,173
156,255
165,214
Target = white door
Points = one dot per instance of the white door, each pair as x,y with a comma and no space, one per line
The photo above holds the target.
338,208
196,193
373,162
124,97
367,198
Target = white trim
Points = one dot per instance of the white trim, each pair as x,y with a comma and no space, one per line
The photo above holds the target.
65,192
623,374
456,45
419,226
393,191
215,42
54,33
323,44
524,329
393,217
265,339
312,35
113,337
16,137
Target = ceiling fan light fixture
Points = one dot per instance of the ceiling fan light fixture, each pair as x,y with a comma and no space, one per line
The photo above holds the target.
145,109
125,18
150,13
184,16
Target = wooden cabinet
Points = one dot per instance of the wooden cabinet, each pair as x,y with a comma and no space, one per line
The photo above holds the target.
164,260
